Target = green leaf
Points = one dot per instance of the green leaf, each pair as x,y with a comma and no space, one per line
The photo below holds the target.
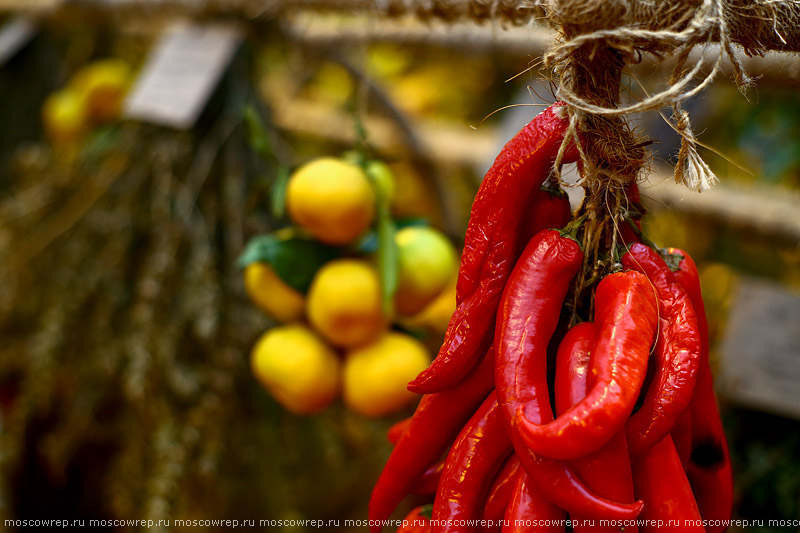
355,157
294,258
100,143
257,133
278,192
385,230
259,141
673,261
426,511
368,244
411,222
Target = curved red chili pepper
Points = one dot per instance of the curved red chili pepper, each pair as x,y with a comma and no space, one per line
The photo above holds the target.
659,480
500,492
626,316
396,430
427,483
527,317
528,510
435,423
491,246
676,357
548,209
709,472
415,522
607,470
682,437
573,365
477,454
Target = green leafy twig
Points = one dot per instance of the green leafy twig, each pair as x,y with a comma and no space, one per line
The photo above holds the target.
259,140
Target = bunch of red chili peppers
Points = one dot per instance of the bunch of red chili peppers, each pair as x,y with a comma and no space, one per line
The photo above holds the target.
526,421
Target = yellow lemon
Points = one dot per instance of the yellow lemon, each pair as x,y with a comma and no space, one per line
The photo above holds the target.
344,302
103,85
426,263
270,293
297,367
332,199
376,375
64,116
436,316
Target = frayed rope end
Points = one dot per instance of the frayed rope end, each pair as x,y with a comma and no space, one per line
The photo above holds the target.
691,170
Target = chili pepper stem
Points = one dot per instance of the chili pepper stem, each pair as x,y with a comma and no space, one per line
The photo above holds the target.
571,230
642,237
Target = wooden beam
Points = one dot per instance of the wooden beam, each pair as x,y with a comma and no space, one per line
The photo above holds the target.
777,68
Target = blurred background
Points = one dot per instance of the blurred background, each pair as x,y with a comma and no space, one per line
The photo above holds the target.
143,147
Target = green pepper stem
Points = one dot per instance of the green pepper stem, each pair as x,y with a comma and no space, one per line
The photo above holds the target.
642,237
571,229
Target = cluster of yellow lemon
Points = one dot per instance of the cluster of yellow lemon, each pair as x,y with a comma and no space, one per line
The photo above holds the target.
93,96
337,338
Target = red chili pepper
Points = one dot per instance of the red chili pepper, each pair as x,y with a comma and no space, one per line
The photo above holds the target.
607,470
710,470
435,423
416,521
396,430
476,456
548,209
529,510
427,483
626,316
682,437
573,365
659,480
500,492
491,246
676,357
527,317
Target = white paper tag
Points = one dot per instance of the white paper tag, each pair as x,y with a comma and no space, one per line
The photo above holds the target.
181,73
14,35
760,353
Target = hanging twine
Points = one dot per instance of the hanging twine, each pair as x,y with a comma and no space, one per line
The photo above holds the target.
588,28
596,42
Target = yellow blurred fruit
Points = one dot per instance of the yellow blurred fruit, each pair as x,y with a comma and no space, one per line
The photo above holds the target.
332,199
270,293
376,375
426,263
103,85
436,316
344,303
297,367
384,178
332,84
418,93
64,116
412,197
719,281
388,61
